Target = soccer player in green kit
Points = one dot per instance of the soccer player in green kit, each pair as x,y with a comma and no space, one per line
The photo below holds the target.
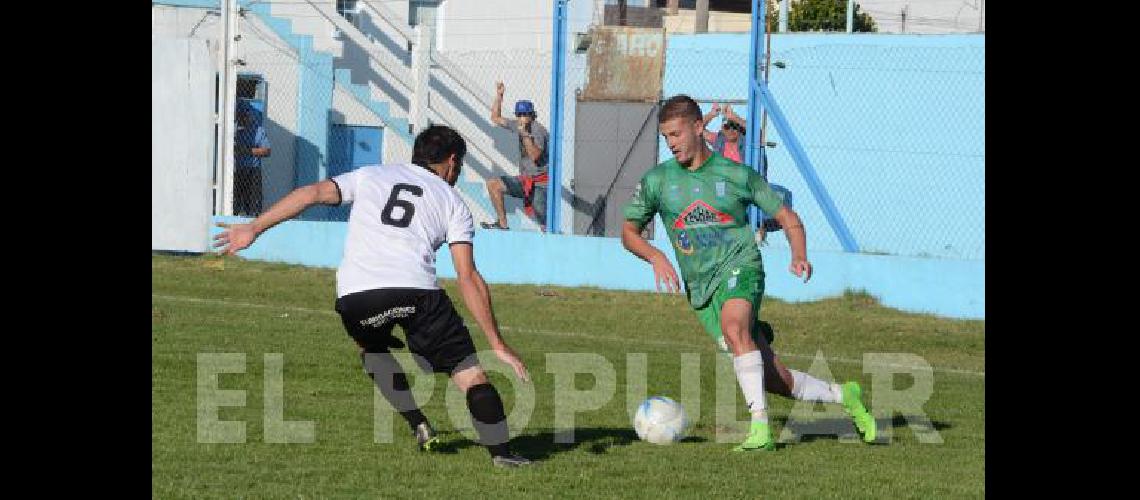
702,198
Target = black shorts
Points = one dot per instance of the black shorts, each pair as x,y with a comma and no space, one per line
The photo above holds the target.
432,327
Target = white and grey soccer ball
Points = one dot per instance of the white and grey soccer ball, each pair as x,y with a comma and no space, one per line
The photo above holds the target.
660,420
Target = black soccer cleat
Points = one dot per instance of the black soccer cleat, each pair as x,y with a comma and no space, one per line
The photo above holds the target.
425,437
511,461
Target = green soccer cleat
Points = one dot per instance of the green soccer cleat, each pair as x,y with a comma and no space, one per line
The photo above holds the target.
759,438
853,405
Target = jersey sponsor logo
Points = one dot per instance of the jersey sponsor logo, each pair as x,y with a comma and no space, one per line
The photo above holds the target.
700,214
393,313
711,238
720,189
689,241
684,244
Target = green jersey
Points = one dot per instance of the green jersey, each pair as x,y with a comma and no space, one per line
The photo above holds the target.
705,213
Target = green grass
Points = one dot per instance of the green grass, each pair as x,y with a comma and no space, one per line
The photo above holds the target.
202,305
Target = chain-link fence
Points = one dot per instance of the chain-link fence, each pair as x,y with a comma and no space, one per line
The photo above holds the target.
894,128
312,106
463,90
270,115
894,131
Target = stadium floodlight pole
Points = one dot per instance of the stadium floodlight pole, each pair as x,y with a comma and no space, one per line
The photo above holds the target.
557,74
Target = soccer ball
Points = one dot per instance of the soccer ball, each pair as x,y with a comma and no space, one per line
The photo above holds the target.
660,420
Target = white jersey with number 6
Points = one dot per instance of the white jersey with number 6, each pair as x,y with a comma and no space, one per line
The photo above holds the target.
401,214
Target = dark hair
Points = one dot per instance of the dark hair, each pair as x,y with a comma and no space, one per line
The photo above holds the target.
679,105
435,144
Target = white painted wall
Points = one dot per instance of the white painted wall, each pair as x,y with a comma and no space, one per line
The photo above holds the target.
508,40
270,56
489,25
181,134
182,22
264,54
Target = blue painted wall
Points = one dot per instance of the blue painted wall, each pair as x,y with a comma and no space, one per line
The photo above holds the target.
952,288
894,124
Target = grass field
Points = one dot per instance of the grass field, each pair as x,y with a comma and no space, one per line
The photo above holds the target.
205,305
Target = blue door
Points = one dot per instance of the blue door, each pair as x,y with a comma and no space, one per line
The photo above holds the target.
351,147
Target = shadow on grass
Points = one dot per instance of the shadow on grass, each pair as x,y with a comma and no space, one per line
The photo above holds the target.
806,431
545,443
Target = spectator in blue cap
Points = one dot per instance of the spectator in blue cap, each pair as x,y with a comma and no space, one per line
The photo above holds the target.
531,183
251,144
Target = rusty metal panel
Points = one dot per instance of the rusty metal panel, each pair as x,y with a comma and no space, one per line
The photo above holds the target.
626,64
615,143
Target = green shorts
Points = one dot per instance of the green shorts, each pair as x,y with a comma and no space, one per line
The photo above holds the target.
746,283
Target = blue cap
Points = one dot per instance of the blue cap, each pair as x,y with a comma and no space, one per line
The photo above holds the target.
524,107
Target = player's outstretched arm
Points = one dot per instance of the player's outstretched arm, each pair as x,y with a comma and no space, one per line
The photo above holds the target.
797,240
662,270
477,297
237,237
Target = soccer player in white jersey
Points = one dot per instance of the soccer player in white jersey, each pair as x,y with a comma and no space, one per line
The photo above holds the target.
401,214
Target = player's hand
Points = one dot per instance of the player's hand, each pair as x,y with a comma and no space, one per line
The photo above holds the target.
716,108
236,237
663,272
508,356
801,268
500,88
728,111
